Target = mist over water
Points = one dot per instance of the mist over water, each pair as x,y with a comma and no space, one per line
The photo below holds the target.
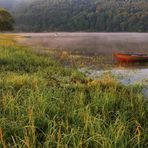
91,43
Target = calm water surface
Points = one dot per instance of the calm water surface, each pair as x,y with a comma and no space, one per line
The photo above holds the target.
90,43
124,75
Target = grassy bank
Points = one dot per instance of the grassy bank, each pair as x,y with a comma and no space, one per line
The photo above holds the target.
43,104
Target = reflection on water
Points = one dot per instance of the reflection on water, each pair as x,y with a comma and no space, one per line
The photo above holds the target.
145,92
125,76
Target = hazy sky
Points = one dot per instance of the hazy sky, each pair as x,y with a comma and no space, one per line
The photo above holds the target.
10,3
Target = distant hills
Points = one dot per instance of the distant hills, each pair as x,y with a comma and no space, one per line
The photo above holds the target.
79,15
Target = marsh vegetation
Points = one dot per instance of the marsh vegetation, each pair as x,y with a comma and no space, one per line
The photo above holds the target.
45,104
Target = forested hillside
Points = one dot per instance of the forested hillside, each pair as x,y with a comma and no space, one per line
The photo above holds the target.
82,15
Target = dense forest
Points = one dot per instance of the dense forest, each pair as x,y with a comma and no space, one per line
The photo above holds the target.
81,15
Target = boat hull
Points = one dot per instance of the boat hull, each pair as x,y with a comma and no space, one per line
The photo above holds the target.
130,58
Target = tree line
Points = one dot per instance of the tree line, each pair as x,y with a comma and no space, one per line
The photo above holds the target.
82,15
6,20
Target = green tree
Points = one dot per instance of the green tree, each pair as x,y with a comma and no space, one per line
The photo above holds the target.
6,20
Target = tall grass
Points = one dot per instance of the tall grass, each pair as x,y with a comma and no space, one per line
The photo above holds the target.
43,104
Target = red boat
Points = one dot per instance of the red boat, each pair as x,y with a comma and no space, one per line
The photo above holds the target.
131,57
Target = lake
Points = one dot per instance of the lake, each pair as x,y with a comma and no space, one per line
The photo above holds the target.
90,43
98,44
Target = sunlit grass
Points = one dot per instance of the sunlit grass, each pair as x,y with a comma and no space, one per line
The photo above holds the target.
44,104
8,40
